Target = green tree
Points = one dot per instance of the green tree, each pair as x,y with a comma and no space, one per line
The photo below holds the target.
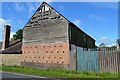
18,35
113,47
102,45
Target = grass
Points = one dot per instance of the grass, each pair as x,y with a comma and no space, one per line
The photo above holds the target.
58,73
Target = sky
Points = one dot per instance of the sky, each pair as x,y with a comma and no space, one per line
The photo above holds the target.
97,19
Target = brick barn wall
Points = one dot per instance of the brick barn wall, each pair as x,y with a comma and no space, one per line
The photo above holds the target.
46,41
46,55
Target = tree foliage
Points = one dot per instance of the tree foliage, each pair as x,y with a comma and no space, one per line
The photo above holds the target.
113,47
18,35
102,45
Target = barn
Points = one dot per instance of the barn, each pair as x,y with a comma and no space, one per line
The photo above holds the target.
49,41
48,37
52,41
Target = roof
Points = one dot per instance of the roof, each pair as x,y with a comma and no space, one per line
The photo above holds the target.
81,30
14,47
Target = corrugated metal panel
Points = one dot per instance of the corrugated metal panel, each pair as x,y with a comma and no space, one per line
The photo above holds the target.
87,60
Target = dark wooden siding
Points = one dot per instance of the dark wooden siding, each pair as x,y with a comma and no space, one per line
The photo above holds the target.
90,42
77,37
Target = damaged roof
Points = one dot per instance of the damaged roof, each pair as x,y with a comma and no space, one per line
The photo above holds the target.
14,47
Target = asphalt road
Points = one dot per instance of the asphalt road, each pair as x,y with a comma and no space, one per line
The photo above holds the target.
17,75
8,75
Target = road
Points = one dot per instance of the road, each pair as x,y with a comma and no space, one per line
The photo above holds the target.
17,75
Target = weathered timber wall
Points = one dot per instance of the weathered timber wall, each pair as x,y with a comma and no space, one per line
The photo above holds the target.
46,27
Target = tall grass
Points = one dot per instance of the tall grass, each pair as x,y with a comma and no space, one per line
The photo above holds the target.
58,73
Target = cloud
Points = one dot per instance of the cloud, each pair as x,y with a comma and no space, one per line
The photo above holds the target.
11,34
113,44
2,23
105,40
108,45
96,17
32,6
77,22
106,5
19,6
97,43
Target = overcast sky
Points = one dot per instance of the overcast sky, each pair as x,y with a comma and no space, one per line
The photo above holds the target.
99,20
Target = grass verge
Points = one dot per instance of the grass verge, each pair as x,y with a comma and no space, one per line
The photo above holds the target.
58,73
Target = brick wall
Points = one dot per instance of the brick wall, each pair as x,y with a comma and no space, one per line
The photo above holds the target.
46,55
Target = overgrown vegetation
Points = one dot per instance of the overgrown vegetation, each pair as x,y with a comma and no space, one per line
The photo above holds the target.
58,73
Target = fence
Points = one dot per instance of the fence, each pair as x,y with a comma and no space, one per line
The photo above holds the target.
99,60
109,61
87,60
